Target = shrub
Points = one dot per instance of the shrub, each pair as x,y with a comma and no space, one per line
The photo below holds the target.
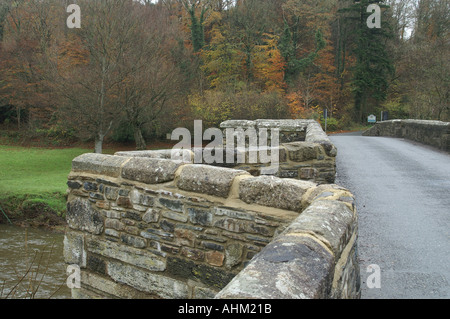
332,124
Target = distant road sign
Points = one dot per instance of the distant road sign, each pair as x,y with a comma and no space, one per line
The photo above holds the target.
372,119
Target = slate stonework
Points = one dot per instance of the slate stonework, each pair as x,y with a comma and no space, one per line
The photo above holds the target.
155,228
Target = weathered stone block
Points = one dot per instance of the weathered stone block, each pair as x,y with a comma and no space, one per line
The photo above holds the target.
302,151
130,255
234,253
156,234
96,264
175,216
167,226
233,213
150,171
99,164
332,221
238,124
111,193
347,278
151,216
307,173
214,278
138,198
89,186
109,288
199,216
241,226
134,241
81,215
74,185
114,224
215,258
162,286
132,215
212,246
289,174
288,268
274,192
185,155
201,293
209,180
74,252
192,253
284,125
124,202
185,237
174,205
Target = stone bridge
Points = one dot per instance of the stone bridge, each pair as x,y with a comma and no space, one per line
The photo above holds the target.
143,225
432,133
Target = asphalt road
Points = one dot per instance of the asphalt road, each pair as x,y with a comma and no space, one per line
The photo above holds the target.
402,192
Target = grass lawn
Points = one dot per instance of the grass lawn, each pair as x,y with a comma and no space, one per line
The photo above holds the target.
33,176
33,179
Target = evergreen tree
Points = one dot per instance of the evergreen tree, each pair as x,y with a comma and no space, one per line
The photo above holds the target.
374,67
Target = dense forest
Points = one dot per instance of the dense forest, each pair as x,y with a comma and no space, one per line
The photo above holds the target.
135,70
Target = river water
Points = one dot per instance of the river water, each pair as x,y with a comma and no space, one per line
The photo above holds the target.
32,264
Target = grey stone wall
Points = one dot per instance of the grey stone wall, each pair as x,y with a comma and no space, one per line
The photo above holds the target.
433,133
145,227
305,151
314,258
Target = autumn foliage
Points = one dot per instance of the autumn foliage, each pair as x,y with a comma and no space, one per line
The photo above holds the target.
138,69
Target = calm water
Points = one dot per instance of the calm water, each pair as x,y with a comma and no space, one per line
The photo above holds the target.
37,257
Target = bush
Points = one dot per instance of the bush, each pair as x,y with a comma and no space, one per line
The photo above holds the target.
216,106
332,125
123,133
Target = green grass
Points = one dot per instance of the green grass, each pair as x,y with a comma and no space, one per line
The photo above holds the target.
35,170
35,177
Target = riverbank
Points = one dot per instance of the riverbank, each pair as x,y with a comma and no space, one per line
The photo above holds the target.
38,211
33,183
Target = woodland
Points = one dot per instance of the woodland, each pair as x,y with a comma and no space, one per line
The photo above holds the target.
136,70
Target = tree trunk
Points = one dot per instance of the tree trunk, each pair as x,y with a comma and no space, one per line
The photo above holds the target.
139,139
99,143
19,111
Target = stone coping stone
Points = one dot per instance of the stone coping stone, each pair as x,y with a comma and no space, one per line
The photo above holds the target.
99,164
415,122
315,134
160,154
282,125
291,267
285,125
206,179
150,170
237,124
330,220
274,192
424,122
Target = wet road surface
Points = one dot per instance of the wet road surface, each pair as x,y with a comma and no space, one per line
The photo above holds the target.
402,191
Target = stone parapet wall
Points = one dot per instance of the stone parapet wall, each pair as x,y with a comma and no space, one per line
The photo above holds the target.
305,152
314,258
143,227
433,133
